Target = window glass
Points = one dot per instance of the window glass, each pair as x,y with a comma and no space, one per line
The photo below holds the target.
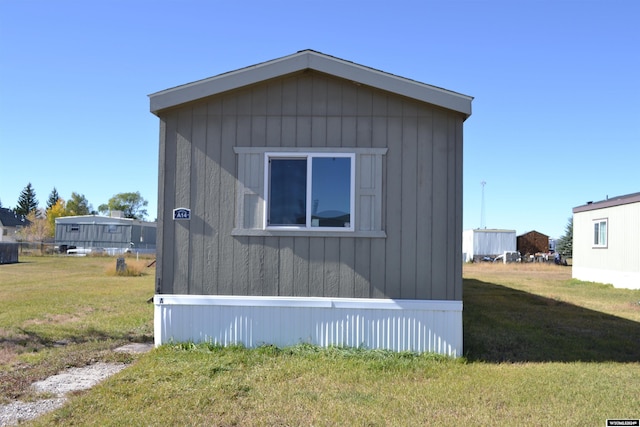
310,191
331,192
288,191
112,228
600,233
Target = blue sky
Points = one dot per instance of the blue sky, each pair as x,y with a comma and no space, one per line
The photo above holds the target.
556,114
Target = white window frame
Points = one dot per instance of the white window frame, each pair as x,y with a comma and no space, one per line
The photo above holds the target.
599,222
309,156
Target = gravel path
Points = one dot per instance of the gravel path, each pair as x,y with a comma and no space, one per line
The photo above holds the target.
73,379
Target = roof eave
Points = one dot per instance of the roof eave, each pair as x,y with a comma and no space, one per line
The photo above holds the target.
315,61
614,201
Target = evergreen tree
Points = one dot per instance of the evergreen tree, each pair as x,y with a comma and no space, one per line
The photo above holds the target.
565,244
27,201
53,198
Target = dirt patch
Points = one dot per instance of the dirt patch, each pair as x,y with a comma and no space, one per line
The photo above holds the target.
7,356
71,380
76,379
55,319
134,348
59,319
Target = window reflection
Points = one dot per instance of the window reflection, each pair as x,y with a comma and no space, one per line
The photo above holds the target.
331,192
287,192
325,201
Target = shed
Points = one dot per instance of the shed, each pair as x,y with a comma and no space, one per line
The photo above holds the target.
310,199
533,242
104,233
606,241
8,253
487,242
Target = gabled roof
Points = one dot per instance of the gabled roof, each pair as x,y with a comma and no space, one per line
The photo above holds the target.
8,218
490,230
609,202
100,219
310,60
533,232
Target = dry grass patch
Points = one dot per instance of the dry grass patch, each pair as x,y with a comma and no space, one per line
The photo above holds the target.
132,268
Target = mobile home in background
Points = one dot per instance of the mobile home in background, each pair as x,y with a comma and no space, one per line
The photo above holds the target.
104,234
606,241
482,243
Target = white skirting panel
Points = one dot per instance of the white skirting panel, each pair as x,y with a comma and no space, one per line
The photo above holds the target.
619,279
399,325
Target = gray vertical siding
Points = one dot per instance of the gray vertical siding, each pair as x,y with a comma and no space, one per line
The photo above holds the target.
92,231
422,194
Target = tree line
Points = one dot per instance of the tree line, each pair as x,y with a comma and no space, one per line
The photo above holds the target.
41,224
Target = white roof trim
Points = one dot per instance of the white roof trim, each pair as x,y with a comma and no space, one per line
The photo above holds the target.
309,59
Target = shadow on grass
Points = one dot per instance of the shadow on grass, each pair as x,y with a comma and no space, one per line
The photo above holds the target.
502,324
27,341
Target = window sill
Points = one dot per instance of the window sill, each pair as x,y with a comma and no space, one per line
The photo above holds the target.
308,233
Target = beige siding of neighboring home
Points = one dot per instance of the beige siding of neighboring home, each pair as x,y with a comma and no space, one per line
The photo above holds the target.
421,209
619,262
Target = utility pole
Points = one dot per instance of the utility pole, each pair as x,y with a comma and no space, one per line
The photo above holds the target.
482,219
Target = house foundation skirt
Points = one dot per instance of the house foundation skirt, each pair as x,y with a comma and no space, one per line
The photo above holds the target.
397,325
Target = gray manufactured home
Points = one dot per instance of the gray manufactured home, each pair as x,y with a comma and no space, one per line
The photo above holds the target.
310,199
109,234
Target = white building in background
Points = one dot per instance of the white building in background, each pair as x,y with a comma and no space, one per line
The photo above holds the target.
480,243
606,241
10,223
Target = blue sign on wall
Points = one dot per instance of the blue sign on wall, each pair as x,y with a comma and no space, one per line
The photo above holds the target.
181,214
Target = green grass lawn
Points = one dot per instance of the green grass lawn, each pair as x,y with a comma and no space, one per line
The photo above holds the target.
540,349
58,312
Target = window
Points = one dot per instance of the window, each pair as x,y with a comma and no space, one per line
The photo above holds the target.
324,191
111,228
74,227
310,191
600,233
